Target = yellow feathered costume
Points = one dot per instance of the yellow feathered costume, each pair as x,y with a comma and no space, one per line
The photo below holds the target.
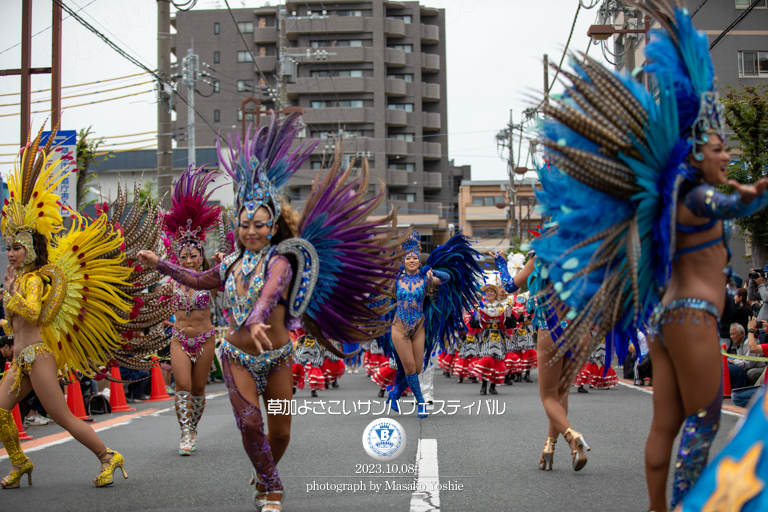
90,300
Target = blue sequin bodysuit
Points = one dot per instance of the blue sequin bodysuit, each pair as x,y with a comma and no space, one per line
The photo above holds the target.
411,290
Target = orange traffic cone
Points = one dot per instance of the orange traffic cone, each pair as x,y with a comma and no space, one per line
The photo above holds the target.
75,401
23,436
159,393
117,393
726,376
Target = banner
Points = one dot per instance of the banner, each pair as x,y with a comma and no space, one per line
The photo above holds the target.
65,149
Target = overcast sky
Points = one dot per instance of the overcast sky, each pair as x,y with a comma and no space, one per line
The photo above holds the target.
494,47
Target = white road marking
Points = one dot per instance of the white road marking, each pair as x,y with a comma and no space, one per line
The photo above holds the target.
427,497
640,388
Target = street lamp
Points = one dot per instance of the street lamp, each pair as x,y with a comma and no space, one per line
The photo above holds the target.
603,32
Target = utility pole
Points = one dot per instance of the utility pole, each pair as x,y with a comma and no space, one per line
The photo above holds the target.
164,132
190,74
546,79
282,84
56,66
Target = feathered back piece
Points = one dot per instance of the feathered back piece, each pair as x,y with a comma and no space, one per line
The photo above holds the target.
33,207
262,165
609,183
190,216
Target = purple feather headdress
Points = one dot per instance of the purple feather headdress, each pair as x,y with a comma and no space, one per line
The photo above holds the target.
190,216
262,165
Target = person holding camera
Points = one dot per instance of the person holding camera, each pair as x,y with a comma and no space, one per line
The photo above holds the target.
757,292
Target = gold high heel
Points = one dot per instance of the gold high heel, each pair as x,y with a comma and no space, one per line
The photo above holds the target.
547,454
106,477
579,454
13,480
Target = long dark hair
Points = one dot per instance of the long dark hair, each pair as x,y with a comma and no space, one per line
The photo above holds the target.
40,243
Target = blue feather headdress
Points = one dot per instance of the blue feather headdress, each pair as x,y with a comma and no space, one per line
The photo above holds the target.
262,165
412,244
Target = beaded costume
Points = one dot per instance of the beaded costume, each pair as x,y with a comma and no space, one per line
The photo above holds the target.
437,308
89,299
616,170
334,237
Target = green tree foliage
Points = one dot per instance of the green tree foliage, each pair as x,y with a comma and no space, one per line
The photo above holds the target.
86,155
746,110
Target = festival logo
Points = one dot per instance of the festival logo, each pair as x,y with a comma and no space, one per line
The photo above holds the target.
384,439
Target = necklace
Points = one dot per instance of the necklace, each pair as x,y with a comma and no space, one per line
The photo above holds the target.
243,304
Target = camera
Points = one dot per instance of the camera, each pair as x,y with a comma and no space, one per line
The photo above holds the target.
754,274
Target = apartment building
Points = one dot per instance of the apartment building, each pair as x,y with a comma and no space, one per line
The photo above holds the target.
372,70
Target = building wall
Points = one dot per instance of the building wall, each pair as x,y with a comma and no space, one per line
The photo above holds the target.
423,195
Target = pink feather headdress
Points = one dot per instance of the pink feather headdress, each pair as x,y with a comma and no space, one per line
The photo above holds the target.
190,216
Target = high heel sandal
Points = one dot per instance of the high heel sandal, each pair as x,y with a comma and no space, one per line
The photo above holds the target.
13,480
579,454
106,477
261,502
547,454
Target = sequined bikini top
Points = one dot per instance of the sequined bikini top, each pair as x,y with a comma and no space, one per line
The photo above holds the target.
201,299
411,290
242,305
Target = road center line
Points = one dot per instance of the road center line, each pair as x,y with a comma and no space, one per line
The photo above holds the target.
427,497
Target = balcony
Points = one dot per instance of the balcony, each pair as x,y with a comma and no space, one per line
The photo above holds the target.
395,58
298,204
430,121
397,178
349,115
401,207
394,28
396,117
433,151
428,11
433,180
430,63
265,35
266,64
434,208
430,34
334,24
346,54
430,92
326,85
395,87
396,147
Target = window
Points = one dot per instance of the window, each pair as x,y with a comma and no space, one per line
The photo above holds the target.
262,22
320,74
402,167
405,19
351,72
352,42
317,164
407,78
407,48
323,135
411,198
245,86
246,27
487,200
319,44
216,28
244,56
319,104
753,64
743,4
355,14
489,232
248,117
408,107
408,137
351,103
217,116
216,57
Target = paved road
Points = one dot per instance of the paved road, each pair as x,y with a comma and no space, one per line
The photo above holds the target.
491,459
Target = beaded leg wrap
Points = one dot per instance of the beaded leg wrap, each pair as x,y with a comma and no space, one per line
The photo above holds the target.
397,389
413,383
251,425
183,413
9,435
699,430
196,408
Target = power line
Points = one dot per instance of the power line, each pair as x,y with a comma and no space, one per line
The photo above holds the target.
699,7
82,94
80,85
80,104
733,25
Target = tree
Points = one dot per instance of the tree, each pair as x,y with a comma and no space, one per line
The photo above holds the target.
746,110
86,155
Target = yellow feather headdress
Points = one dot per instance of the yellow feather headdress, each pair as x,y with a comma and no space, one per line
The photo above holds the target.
33,207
